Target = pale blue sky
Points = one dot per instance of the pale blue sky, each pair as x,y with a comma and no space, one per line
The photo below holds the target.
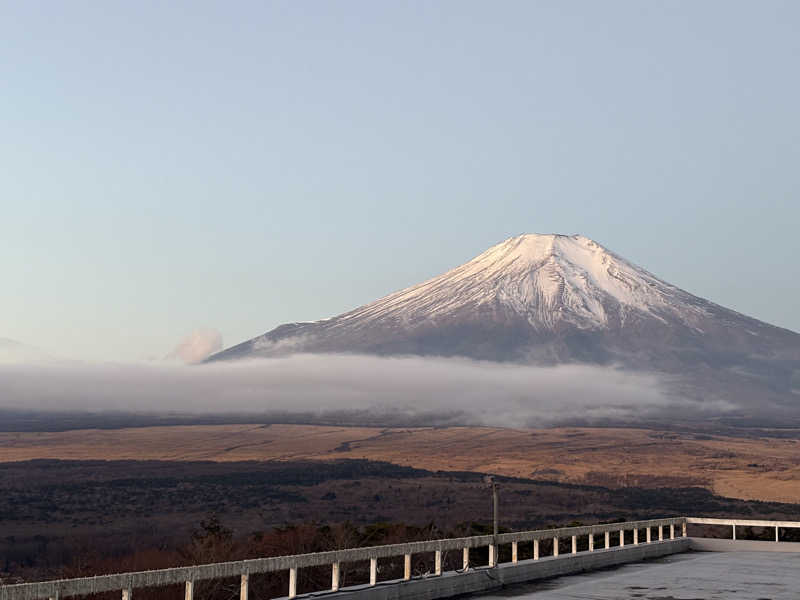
172,165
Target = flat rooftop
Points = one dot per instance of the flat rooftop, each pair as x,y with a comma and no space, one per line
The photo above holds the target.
686,576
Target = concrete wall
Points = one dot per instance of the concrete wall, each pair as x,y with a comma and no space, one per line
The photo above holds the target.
484,579
715,545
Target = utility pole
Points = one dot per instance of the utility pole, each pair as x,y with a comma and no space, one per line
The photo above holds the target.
494,511
489,480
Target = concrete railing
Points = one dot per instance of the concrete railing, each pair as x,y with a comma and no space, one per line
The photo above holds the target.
655,530
734,523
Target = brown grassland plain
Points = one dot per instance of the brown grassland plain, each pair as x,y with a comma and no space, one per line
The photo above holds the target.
759,468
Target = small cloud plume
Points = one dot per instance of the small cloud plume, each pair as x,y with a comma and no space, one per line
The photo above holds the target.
197,346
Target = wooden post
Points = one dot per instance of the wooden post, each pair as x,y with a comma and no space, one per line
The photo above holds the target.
574,545
513,552
438,562
492,555
189,593
293,582
407,567
243,587
373,571
465,562
535,549
555,546
335,577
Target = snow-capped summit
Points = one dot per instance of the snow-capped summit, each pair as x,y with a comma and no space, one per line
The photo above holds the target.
549,280
548,299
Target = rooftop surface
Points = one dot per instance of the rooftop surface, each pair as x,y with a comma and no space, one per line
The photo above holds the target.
687,576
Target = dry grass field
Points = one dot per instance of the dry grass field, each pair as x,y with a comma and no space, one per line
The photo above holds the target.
762,468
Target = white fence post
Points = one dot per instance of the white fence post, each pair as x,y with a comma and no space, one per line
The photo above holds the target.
189,591
574,545
555,546
621,537
243,587
591,542
535,549
608,540
127,594
407,567
335,577
293,582
465,561
649,536
373,571
514,552
438,561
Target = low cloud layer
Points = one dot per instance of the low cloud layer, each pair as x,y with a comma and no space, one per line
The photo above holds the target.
449,390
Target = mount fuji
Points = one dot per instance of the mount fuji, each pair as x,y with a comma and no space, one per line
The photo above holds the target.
553,299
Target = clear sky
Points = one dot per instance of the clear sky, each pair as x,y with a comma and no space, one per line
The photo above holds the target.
166,166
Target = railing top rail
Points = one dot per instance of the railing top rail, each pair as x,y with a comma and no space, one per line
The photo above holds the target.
178,575
742,522
541,534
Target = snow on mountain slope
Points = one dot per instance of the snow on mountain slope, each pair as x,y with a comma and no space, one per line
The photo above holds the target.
547,279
